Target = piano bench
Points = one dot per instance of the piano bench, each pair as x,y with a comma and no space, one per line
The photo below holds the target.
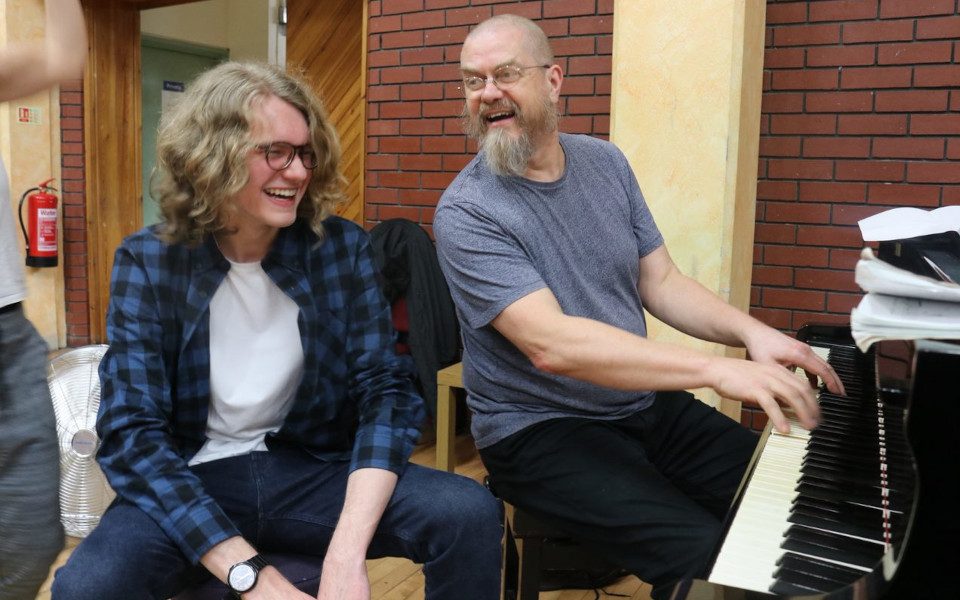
538,557
532,548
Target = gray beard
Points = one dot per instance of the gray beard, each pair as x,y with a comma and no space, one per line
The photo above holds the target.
507,155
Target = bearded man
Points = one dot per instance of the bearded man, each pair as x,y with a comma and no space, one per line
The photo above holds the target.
552,256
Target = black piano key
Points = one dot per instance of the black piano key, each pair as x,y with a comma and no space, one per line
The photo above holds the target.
837,449
815,574
805,580
869,476
846,518
834,540
849,432
827,552
824,460
836,457
822,568
898,460
816,488
782,588
842,511
820,522
833,547
849,476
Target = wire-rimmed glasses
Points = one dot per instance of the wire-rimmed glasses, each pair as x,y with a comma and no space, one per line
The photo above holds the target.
503,77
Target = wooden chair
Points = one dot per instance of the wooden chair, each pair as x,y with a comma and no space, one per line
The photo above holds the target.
531,546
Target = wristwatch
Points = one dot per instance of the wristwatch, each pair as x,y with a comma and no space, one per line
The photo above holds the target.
243,576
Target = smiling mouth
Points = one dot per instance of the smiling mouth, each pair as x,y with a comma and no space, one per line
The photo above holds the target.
500,115
285,195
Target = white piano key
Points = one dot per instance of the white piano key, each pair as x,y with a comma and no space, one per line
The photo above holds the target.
752,545
751,548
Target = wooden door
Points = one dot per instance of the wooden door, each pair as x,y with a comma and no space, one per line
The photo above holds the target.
328,41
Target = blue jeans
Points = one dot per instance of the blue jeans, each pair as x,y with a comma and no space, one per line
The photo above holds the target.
288,501
30,532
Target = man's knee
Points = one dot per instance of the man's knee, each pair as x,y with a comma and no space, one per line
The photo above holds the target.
74,582
100,578
469,503
126,556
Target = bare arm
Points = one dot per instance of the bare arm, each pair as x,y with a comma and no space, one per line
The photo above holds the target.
26,68
344,567
592,351
684,304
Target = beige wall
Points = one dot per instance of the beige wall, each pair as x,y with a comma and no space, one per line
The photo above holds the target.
199,22
246,27
31,153
685,109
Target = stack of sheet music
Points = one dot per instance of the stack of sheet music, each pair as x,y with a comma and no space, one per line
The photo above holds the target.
913,284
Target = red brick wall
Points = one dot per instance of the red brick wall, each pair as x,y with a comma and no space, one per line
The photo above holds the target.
74,214
415,146
861,113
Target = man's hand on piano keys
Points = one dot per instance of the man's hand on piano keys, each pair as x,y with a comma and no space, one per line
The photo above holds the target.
770,389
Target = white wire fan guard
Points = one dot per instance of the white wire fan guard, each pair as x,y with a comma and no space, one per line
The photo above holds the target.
75,391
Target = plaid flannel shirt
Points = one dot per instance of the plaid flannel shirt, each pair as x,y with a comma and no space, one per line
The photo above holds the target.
356,400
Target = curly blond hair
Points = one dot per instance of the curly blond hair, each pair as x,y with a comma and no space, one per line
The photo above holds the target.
203,143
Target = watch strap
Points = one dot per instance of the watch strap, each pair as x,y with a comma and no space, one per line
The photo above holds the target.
258,562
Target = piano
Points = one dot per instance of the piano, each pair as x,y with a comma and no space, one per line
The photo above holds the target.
866,505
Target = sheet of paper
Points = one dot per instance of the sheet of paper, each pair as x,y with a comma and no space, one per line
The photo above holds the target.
875,275
907,222
880,317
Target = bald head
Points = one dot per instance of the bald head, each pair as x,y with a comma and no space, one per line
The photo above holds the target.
534,40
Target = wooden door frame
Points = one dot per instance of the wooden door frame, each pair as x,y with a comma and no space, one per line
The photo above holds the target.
111,132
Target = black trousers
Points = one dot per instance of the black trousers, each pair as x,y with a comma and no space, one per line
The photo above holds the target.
647,492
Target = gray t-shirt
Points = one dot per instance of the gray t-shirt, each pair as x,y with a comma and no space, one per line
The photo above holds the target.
12,285
499,239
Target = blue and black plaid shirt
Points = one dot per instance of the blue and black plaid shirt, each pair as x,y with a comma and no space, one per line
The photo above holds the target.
356,400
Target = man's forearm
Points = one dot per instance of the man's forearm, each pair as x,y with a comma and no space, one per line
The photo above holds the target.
368,492
224,555
593,351
26,68
693,309
66,39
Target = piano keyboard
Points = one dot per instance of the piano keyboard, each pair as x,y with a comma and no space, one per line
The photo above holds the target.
820,508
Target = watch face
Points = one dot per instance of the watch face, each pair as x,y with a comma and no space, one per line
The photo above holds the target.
241,577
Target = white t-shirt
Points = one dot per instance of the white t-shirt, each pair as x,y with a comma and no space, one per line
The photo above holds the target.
256,362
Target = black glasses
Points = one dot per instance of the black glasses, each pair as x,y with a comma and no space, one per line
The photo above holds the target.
279,155
503,77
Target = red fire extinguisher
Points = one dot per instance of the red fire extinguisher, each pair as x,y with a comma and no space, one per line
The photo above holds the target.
42,220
